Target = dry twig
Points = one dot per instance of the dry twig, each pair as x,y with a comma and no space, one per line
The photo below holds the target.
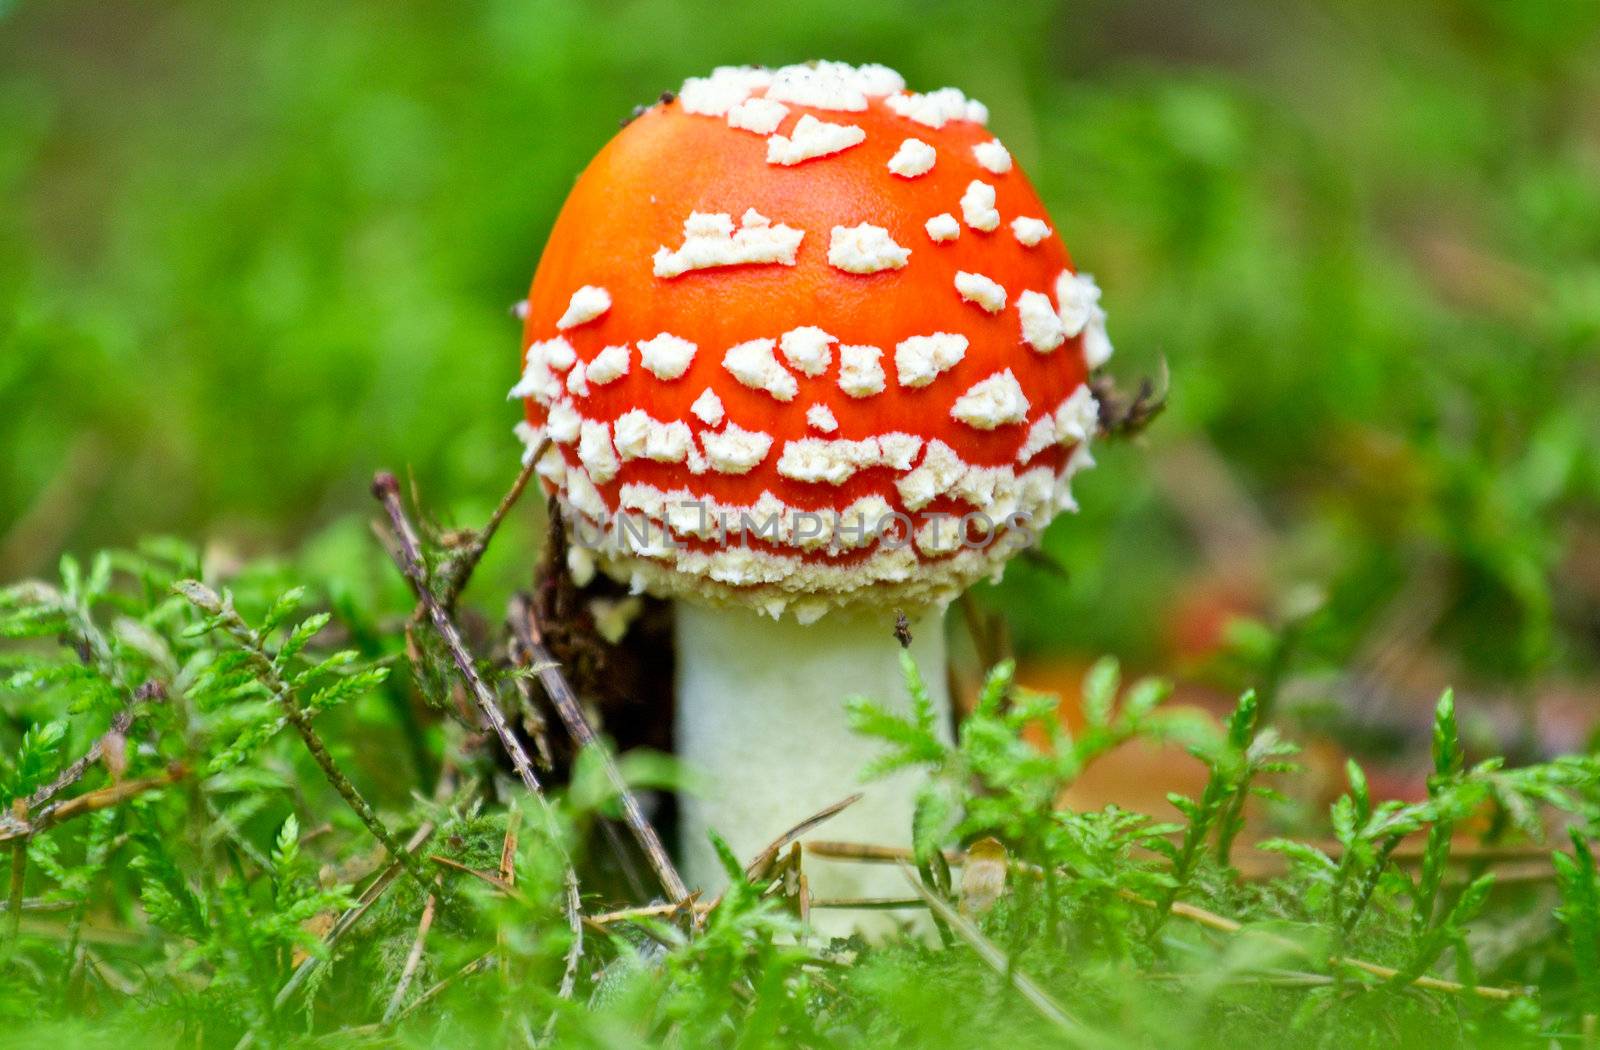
462,567
19,875
1193,913
22,828
387,491
342,925
991,954
479,965
74,772
758,867
466,869
413,960
525,628
868,903
664,910
270,675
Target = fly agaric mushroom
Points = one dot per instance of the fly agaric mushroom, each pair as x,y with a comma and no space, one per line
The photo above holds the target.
808,354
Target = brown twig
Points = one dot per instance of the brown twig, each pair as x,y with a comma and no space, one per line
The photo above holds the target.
1270,978
462,567
74,772
757,868
525,629
761,865
665,910
868,903
38,904
569,972
347,791
387,491
508,848
476,966
466,869
18,828
343,924
871,853
1192,913
19,875
375,889
413,960
109,935
991,954
479,965
208,601
1223,924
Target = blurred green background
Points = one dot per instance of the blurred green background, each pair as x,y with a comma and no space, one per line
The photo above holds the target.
250,251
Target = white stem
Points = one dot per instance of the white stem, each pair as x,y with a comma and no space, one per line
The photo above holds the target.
760,714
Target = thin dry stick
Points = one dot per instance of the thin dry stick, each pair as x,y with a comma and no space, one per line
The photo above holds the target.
413,960
569,973
73,773
354,799
252,644
20,829
871,853
1199,916
763,860
665,910
991,954
461,572
109,935
466,869
1224,924
508,874
368,898
19,875
342,925
38,904
525,628
868,903
387,491
761,865
476,966
508,848
1269,978
569,978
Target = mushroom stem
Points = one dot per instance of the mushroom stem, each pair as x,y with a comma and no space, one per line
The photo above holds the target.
761,716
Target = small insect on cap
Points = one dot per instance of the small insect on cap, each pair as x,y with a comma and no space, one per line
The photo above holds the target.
802,340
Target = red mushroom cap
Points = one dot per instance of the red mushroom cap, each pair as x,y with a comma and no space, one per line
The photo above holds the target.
790,329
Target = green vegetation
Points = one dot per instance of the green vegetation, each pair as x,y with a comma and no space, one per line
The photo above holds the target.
250,252
237,855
